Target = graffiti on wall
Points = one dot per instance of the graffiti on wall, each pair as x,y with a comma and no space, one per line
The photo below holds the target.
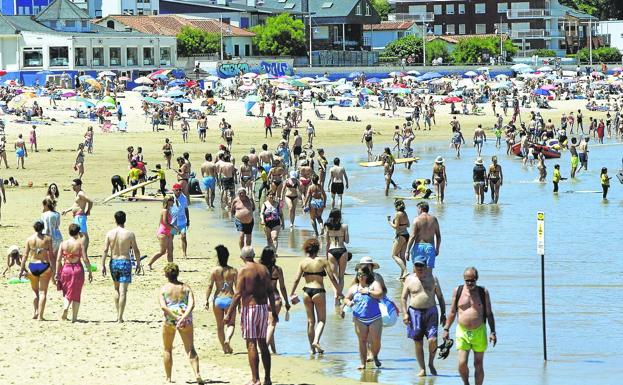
276,68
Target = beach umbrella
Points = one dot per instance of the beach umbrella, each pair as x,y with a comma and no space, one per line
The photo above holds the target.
546,69
285,92
177,73
414,72
159,77
596,74
519,66
247,87
548,87
344,87
124,79
176,82
354,74
11,83
322,79
501,77
266,76
191,83
524,70
482,69
452,99
93,83
541,92
68,94
175,93
106,73
400,90
3,72
374,80
212,78
366,91
501,85
87,102
616,69
151,100
84,77
396,73
158,72
165,99
181,100
470,74
108,99
142,89
456,93
297,83
284,86
429,76
143,80
104,104
250,75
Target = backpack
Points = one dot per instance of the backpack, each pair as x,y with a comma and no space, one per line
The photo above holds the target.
483,299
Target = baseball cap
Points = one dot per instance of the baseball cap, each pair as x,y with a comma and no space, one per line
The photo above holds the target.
177,186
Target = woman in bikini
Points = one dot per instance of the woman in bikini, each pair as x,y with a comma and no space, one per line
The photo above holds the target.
165,238
314,269
223,278
305,172
272,219
79,165
269,259
177,301
337,238
167,150
39,249
183,174
439,178
496,179
275,177
70,271
315,202
291,192
400,224
367,137
363,297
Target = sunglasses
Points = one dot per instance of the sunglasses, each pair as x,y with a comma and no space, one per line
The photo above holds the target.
361,274
470,281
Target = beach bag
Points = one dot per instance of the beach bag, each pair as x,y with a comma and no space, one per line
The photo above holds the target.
389,312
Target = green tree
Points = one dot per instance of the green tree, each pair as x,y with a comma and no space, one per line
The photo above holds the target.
603,54
382,7
437,49
603,9
280,36
404,47
194,41
544,52
472,49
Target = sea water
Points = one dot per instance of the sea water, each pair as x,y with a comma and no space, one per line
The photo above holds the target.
583,268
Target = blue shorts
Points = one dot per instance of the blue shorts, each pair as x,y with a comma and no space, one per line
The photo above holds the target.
121,270
266,167
422,322
424,251
208,182
20,152
183,230
81,220
245,228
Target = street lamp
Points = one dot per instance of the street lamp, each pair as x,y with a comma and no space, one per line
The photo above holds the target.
424,35
310,37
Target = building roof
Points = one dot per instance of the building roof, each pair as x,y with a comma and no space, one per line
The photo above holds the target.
11,25
389,26
231,7
320,8
61,10
171,25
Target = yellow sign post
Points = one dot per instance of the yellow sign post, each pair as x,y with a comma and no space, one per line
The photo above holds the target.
540,249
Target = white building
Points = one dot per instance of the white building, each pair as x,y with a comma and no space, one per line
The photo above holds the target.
130,7
612,30
62,38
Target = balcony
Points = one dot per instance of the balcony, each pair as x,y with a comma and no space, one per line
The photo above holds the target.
417,17
527,13
535,34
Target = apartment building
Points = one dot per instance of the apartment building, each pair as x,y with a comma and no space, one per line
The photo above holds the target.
532,24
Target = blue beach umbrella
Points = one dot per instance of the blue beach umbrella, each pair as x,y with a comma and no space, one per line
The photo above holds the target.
176,82
175,93
429,76
354,74
374,80
541,92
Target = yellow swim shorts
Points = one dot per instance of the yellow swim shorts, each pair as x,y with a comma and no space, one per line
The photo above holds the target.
475,339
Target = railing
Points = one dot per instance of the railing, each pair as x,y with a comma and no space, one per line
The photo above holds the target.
527,13
535,33
417,17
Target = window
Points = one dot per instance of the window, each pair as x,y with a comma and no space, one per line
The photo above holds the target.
80,57
247,50
438,29
461,29
437,9
321,32
450,29
368,9
33,57
98,56
148,56
131,54
36,9
417,9
59,56
481,8
461,9
70,24
236,50
358,8
115,56
165,56
85,25
522,5
450,9
110,24
481,29
502,7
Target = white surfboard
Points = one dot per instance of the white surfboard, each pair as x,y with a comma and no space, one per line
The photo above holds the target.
129,189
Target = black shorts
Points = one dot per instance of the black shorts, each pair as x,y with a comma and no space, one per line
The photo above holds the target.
297,150
337,188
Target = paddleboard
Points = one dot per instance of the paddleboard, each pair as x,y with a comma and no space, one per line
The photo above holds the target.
584,191
415,198
380,163
129,189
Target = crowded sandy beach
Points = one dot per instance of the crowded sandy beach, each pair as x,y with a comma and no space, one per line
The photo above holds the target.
241,213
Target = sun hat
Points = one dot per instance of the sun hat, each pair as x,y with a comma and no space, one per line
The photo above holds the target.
439,160
367,261
478,161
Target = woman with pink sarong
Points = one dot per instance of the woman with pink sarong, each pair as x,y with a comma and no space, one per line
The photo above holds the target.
70,272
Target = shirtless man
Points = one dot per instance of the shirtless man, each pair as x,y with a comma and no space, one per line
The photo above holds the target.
254,162
424,233
297,147
121,243
81,209
202,127
421,315
242,208
583,153
479,137
228,136
227,176
388,169
254,292
337,178
246,175
20,151
472,305
208,181
266,158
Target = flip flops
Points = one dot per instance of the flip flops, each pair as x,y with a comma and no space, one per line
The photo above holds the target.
444,349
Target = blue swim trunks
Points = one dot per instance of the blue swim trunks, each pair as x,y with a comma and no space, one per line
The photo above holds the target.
183,230
81,220
424,251
121,270
266,167
20,152
208,182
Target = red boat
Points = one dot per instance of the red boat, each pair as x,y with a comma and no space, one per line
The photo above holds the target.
547,151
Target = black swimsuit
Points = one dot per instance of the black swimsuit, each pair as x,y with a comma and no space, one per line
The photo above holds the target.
313,291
